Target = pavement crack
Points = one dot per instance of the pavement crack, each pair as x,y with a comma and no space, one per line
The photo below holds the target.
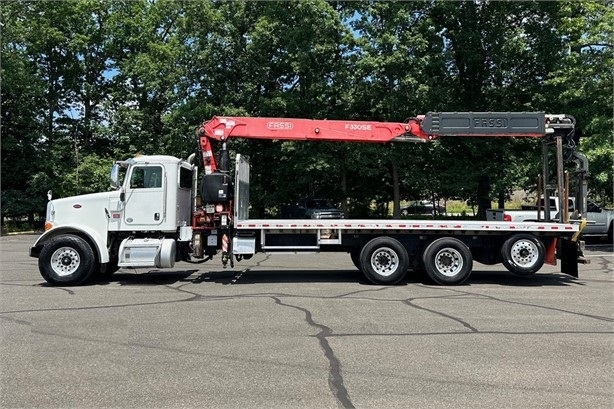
411,303
98,307
490,297
335,377
455,333
362,291
71,292
16,321
604,265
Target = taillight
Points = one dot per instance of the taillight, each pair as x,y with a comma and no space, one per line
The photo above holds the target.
507,217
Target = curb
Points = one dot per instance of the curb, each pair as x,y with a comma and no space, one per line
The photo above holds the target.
16,233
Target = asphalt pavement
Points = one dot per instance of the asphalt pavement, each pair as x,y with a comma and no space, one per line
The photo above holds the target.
305,331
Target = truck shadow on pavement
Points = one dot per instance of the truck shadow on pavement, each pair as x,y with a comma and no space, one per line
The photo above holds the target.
508,279
236,277
131,277
232,277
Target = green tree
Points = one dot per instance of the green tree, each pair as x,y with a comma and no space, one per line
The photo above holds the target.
583,85
60,68
147,50
22,126
498,55
272,59
91,175
396,68
116,78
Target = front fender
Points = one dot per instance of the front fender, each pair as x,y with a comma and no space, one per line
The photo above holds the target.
98,243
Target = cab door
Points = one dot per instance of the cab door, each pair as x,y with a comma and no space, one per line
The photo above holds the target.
597,219
145,200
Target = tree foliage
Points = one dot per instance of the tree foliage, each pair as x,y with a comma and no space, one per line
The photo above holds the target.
103,80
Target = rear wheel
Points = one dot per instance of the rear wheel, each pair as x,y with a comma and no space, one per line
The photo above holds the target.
523,254
447,261
384,261
66,260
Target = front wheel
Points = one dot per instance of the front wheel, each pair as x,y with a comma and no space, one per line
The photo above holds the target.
66,260
447,261
523,254
384,261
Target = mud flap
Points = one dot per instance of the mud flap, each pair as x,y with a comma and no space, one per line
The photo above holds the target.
569,254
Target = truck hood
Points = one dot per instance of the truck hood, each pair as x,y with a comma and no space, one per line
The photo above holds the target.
79,209
84,200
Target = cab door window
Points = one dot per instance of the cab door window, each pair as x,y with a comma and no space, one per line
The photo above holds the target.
146,177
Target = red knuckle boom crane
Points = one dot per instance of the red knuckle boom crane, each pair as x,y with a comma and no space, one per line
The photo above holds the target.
422,128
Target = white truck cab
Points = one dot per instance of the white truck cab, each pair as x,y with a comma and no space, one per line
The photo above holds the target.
156,195
136,225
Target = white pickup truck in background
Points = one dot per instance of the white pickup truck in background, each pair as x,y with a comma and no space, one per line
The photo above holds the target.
600,221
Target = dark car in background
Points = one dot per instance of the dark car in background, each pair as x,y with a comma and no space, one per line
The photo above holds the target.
312,208
422,207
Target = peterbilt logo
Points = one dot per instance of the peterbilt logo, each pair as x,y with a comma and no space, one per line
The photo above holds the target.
280,125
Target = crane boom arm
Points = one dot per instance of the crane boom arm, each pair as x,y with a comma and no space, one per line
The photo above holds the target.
423,128
298,129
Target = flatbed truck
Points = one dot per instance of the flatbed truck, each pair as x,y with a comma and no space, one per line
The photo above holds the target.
165,212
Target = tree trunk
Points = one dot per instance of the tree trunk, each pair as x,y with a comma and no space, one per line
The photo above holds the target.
501,204
483,196
344,189
396,195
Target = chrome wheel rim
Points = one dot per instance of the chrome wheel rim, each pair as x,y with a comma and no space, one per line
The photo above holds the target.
524,253
385,261
65,261
449,262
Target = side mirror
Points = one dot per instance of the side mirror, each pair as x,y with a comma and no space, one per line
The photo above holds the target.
115,175
122,195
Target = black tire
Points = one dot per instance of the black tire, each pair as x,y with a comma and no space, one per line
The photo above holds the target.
355,256
66,260
384,261
611,233
447,261
523,254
